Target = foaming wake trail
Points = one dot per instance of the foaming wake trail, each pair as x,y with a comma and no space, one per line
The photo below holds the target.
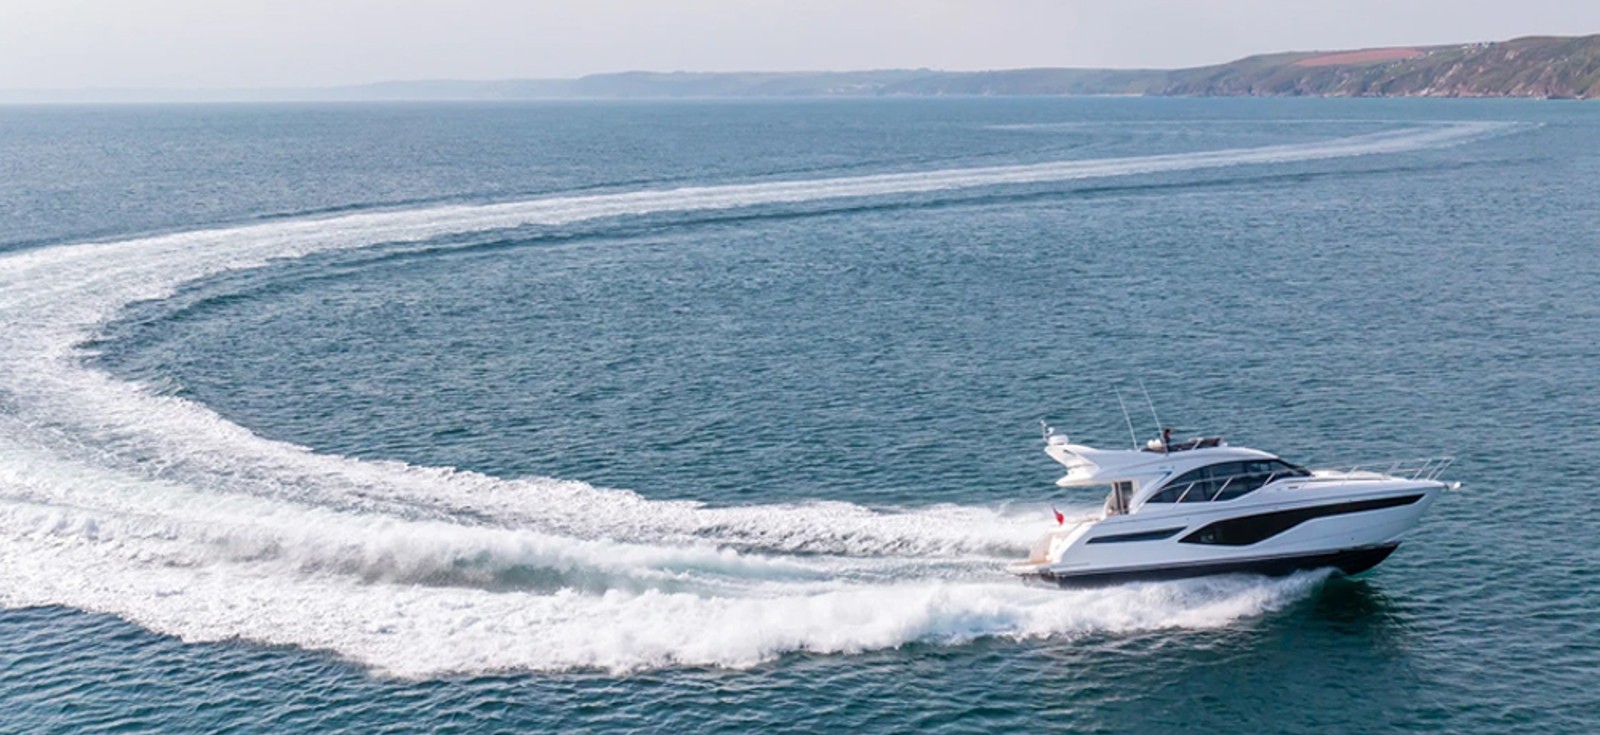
154,508
418,631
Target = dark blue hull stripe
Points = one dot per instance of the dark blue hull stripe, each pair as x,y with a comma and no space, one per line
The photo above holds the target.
1118,538
1260,527
1348,561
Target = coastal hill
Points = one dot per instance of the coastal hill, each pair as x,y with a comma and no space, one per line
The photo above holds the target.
1548,67
1539,66
1536,66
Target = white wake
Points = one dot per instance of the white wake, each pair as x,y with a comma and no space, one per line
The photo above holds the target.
154,508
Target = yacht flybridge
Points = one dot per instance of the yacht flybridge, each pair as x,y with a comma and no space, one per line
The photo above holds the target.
1202,507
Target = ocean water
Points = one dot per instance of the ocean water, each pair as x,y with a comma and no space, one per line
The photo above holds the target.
723,416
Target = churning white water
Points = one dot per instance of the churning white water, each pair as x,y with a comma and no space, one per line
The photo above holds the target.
114,498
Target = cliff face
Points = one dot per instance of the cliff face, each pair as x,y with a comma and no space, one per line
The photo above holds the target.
1523,67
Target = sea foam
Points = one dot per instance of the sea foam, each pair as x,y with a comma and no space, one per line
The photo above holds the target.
116,498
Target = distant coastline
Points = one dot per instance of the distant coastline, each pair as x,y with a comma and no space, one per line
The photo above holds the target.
1540,67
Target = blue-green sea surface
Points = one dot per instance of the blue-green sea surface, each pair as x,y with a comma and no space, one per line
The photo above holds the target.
723,416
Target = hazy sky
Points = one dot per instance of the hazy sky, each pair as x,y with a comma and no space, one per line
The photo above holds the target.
249,43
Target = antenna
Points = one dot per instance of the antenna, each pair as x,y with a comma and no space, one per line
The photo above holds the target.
1152,406
1131,435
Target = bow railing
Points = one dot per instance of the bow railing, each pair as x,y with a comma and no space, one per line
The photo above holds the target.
1425,468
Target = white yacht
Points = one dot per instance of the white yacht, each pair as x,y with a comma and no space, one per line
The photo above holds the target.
1201,507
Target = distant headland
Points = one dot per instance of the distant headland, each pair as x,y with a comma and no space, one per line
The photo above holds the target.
1543,67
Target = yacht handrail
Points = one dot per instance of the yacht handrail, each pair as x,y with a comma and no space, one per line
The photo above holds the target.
1423,468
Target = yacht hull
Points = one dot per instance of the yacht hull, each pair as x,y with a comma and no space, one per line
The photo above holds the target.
1205,508
1347,561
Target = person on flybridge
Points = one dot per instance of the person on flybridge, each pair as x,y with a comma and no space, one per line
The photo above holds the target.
1166,438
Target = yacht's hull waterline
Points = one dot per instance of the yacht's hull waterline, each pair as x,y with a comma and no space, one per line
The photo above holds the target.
1205,508
1347,562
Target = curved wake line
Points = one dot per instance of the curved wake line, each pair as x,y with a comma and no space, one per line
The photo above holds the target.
154,508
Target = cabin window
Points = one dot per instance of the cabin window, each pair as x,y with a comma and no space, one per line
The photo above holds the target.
1226,481
1193,486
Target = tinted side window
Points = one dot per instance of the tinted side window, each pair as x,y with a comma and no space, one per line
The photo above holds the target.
1257,473
1175,488
1249,478
1169,495
1206,488
1195,486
